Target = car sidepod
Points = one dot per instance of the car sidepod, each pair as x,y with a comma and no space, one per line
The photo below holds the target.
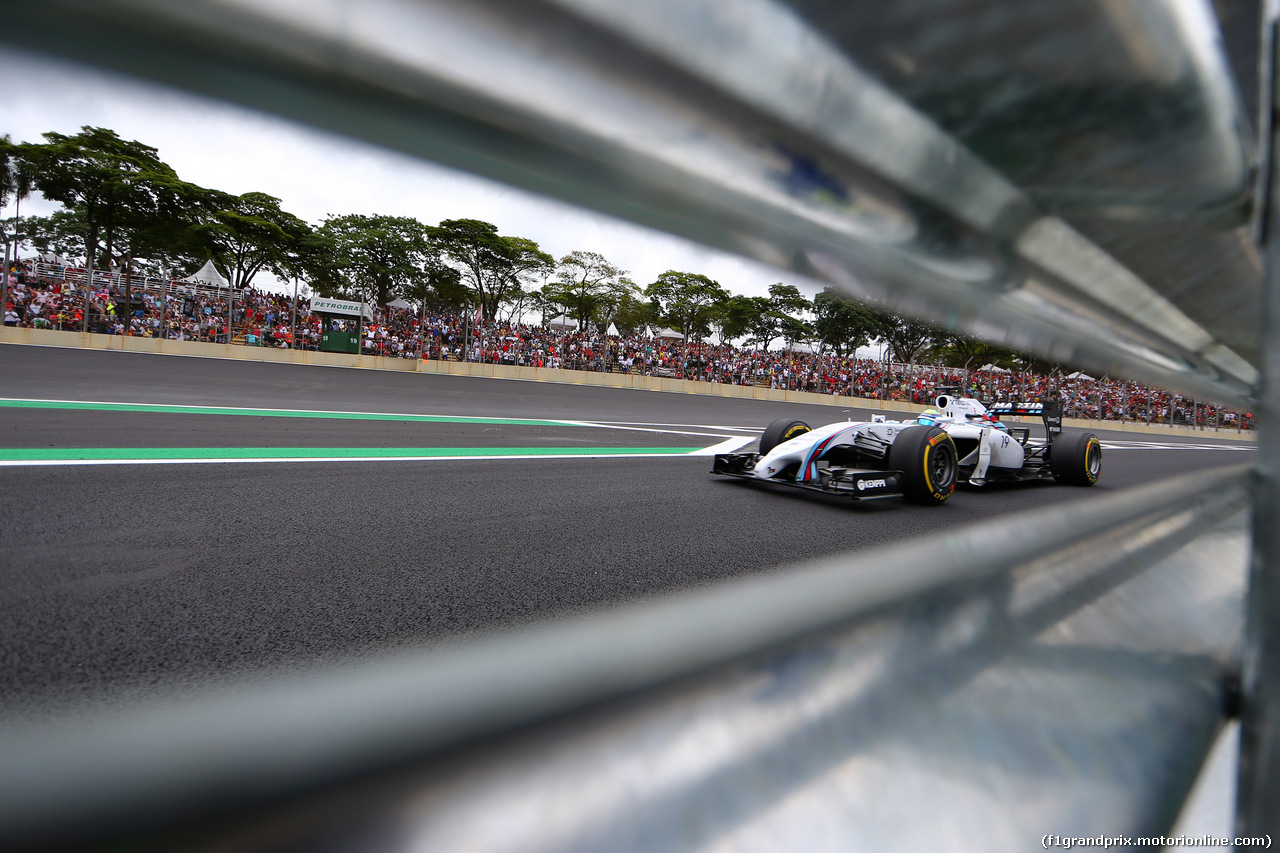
985,451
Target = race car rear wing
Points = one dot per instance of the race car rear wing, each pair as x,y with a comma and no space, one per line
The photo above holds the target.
1006,408
1050,413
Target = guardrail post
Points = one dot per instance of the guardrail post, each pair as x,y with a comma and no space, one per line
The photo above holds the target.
1258,798
1258,792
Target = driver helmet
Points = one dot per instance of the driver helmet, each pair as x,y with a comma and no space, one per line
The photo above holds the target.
929,417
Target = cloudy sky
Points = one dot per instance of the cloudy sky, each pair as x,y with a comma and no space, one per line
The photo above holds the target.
317,174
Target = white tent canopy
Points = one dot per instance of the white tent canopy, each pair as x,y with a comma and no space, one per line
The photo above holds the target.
612,331
1078,375
207,274
562,322
399,303
667,333
992,368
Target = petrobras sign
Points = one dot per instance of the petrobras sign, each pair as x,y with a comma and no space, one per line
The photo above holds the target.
341,307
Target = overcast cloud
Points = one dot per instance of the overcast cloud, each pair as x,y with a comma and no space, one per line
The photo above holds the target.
316,174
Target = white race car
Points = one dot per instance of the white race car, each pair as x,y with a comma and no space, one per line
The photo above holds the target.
920,460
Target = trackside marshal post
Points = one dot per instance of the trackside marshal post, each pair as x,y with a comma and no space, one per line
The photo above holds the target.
341,323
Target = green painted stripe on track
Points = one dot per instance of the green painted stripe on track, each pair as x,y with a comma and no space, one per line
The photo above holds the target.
61,454
268,413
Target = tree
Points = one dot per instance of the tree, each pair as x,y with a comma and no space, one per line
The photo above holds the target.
762,321
551,301
686,301
15,172
735,315
128,200
788,304
786,299
156,244
440,288
777,315
906,338
314,258
841,322
584,282
62,231
380,256
528,265
16,180
491,265
169,235
518,301
796,331
957,350
620,304
633,315
250,233
120,188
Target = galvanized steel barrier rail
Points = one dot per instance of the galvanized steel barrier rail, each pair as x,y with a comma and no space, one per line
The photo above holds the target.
817,707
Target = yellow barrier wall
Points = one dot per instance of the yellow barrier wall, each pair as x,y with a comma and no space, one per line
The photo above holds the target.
49,338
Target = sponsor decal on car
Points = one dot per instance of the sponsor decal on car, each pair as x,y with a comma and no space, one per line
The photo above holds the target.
863,485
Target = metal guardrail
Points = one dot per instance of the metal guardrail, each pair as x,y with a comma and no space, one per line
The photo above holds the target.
1025,658
751,125
1258,799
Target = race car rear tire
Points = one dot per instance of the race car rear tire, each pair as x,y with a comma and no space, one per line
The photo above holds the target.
1075,458
781,430
927,458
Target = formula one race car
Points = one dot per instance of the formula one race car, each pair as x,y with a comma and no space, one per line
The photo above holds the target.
921,460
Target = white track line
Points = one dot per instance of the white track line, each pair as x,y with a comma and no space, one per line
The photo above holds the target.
653,429
1157,445
729,445
685,426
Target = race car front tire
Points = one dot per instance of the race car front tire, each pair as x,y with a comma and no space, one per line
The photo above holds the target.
927,458
781,430
1075,458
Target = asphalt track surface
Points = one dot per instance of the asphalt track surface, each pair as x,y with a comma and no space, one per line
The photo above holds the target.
238,519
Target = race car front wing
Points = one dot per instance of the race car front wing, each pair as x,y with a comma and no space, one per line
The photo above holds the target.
859,484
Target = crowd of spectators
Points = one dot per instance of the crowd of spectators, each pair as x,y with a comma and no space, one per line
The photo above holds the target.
41,296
